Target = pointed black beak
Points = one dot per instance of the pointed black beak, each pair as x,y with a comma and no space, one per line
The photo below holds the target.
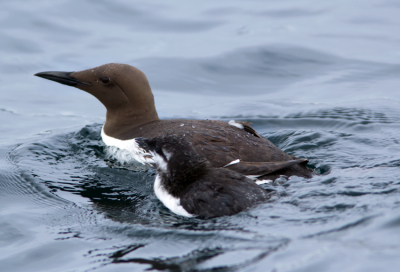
61,77
143,143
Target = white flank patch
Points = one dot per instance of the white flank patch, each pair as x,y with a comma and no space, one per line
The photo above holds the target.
232,163
171,202
126,151
257,181
234,124
263,181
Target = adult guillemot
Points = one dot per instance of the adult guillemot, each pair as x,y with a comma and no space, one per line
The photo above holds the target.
188,185
125,92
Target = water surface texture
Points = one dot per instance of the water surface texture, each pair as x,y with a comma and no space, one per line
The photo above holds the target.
321,80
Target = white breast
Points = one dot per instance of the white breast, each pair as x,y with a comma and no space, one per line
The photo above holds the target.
126,151
171,202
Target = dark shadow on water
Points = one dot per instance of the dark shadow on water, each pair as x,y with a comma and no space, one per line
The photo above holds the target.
183,263
195,260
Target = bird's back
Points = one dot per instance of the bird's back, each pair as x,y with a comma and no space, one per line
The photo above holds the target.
221,143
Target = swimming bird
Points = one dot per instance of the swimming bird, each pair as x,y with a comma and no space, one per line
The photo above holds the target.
188,185
125,92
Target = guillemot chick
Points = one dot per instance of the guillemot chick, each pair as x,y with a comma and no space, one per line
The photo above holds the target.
188,185
125,92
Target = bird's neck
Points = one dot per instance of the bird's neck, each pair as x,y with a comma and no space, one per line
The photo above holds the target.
120,125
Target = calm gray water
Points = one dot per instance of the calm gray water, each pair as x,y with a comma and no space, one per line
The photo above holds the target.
321,80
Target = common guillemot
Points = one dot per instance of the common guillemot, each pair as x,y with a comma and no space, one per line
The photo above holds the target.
188,185
125,92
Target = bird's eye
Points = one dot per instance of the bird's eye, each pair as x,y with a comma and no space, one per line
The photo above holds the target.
105,80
